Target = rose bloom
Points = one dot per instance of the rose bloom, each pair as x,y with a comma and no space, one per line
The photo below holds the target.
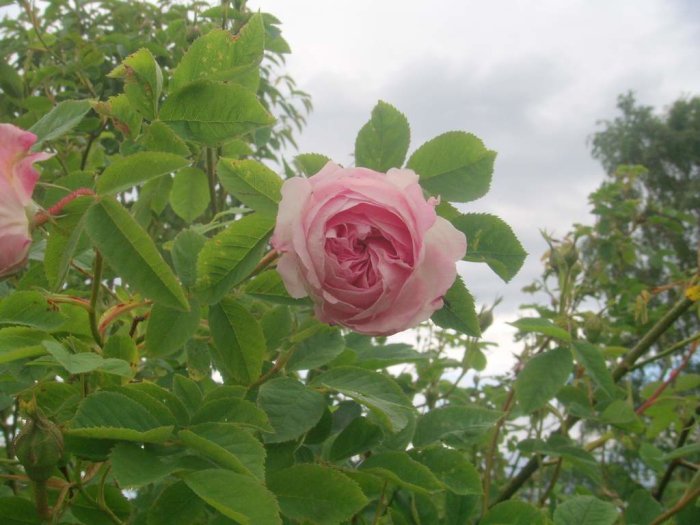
17,180
367,248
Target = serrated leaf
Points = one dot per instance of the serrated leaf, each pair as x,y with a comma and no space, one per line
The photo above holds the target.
143,81
459,311
374,390
228,445
189,196
317,494
239,341
169,329
453,420
111,415
229,257
19,342
540,325
134,466
310,163
513,513
30,308
451,468
132,254
585,510
219,55
185,251
160,137
232,410
293,409
176,505
455,166
541,378
269,286
236,496
591,358
490,240
59,121
213,113
317,350
125,172
399,468
252,183
84,362
61,248
382,143
358,437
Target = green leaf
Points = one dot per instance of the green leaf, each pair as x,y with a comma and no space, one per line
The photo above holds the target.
161,401
293,409
541,378
86,508
185,251
19,342
124,117
317,494
143,81
642,508
213,113
543,326
228,445
621,414
453,420
125,172
188,392
252,183
64,238
491,241
452,469
310,163
229,257
134,466
84,362
317,350
399,468
236,496
382,143
376,391
176,505
160,137
219,55
239,341
232,410
455,166
18,511
459,311
591,358
111,415
358,437
29,308
169,329
189,196
59,121
132,254
585,510
513,513
268,286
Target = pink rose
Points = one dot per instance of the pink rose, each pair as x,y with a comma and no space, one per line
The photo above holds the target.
367,248
17,180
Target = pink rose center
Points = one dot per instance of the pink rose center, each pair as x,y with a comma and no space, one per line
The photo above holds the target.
365,241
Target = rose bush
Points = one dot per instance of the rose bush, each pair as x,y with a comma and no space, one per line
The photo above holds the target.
17,180
367,247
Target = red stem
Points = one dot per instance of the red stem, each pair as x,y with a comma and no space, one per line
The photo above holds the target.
671,378
43,216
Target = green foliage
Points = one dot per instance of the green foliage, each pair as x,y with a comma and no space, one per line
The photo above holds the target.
152,333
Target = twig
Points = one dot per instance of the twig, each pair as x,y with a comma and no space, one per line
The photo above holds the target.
94,296
507,406
671,378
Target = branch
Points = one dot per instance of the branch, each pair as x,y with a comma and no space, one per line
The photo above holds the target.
620,371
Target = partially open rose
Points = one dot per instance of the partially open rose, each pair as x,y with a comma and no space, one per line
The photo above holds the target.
17,180
367,248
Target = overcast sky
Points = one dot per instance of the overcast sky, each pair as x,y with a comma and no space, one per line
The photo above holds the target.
531,78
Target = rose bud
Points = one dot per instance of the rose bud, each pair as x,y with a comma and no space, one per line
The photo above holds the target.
39,447
367,247
17,180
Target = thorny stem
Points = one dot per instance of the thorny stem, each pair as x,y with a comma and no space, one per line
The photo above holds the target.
666,478
667,352
41,500
279,365
552,482
44,216
380,506
687,498
266,261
